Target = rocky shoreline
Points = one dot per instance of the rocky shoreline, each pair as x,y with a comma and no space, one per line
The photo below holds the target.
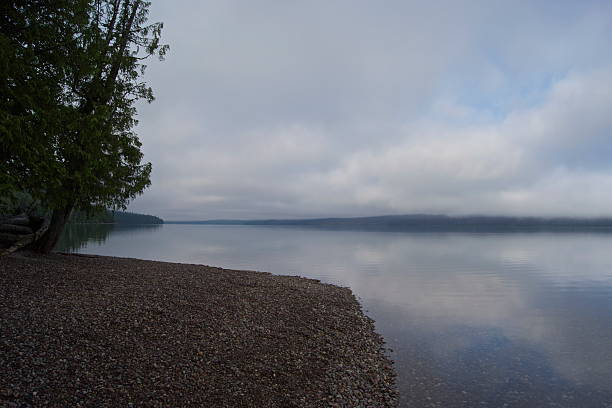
99,331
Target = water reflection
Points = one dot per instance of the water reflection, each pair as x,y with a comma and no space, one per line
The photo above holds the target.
474,319
79,236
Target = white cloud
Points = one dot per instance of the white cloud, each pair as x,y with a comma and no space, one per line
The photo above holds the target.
355,108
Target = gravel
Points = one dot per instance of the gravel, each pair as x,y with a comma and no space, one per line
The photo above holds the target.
97,331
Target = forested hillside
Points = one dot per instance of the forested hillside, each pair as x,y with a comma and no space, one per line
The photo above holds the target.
122,217
113,217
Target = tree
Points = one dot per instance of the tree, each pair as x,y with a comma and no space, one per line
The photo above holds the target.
72,72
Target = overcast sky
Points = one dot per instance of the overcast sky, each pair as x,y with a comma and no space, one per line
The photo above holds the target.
284,109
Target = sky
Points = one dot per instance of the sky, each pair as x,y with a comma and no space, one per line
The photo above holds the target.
300,109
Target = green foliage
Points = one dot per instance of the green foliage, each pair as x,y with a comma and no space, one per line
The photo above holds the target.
124,217
19,202
114,217
96,217
70,74
29,83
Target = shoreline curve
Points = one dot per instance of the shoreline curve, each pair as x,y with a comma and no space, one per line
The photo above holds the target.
102,331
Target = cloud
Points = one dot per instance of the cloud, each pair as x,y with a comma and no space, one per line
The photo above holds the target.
550,159
274,109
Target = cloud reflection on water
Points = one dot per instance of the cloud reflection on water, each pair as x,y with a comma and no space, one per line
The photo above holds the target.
493,314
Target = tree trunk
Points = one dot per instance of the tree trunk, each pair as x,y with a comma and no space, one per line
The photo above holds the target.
59,218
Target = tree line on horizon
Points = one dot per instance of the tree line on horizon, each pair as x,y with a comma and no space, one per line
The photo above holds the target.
23,204
431,222
113,217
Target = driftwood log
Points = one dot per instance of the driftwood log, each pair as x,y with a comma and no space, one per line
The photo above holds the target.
15,229
18,220
17,232
8,238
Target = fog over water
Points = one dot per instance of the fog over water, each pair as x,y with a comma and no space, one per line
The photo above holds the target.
474,319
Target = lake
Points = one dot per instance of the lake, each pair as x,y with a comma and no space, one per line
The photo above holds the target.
473,319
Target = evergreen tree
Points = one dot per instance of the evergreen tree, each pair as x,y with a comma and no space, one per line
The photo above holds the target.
71,72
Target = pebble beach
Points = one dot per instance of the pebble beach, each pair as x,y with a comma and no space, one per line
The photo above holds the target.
84,330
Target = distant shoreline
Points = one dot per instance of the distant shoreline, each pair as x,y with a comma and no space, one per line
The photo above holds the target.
113,223
434,223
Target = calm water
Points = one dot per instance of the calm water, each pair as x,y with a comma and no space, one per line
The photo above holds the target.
474,320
